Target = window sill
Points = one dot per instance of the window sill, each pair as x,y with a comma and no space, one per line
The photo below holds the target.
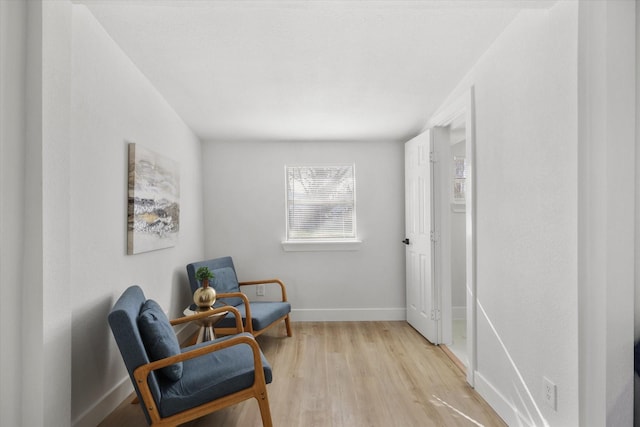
313,246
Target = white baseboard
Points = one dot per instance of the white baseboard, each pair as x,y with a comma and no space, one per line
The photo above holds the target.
103,407
459,312
347,314
509,413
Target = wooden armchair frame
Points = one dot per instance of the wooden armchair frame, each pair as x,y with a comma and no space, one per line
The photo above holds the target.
258,390
258,316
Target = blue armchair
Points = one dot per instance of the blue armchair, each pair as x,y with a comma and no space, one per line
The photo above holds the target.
258,316
178,385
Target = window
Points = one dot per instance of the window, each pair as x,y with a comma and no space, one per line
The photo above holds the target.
321,203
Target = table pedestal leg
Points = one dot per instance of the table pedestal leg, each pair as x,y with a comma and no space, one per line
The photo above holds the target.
206,334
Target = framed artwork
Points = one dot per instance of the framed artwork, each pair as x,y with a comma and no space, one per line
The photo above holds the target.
458,199
459,167
153,211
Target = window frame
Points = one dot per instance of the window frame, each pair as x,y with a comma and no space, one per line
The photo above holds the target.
320,244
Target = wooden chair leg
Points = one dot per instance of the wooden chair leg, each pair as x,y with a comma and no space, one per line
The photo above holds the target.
287,323
265,411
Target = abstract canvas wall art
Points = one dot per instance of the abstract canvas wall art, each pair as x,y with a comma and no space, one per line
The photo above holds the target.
153,215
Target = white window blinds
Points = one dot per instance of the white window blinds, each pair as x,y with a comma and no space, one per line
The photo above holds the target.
321,202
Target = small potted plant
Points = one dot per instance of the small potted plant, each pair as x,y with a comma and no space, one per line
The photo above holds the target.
205,296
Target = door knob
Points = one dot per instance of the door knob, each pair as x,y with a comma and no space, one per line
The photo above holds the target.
405,241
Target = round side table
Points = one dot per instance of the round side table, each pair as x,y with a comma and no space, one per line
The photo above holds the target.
206,332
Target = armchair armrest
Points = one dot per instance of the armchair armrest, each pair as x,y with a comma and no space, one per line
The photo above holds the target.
283,289
249,324
141,373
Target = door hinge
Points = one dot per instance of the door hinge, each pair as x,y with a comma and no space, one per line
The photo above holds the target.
435,314
434,236
432,157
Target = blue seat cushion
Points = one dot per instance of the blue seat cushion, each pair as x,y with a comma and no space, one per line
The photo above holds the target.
263,314
211,376
158,337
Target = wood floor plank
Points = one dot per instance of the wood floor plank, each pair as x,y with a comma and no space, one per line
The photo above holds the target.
351,374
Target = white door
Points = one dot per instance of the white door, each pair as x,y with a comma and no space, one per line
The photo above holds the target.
422,311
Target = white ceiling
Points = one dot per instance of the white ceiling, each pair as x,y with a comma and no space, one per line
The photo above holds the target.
305,70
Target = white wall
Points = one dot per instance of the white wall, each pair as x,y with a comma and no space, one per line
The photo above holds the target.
46,327
13,40
244,217
112,103
526,176
606,116
637,188
636,405
35,269
70,101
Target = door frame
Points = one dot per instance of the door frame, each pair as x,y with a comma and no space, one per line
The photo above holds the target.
465,105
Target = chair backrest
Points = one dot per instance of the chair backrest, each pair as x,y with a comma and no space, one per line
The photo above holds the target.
123,320
225,279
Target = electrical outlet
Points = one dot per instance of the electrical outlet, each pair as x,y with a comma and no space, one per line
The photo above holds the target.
260,290
549,393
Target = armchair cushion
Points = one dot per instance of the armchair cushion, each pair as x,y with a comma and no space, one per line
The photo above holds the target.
263,314
226,281
211,376
158,337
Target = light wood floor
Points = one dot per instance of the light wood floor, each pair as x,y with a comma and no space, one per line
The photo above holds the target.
351,374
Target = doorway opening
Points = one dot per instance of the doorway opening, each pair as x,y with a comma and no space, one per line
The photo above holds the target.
450,142
453,133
